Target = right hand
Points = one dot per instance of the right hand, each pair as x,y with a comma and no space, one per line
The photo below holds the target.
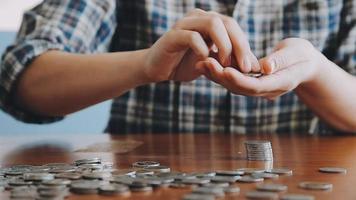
176,54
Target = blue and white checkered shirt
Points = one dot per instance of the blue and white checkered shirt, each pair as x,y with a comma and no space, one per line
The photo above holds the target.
81,26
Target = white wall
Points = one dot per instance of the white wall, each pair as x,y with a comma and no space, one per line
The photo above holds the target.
11,13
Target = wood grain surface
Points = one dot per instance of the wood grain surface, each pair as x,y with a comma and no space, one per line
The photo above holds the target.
302,153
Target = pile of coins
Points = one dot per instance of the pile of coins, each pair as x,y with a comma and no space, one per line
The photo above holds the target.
56,181
259,150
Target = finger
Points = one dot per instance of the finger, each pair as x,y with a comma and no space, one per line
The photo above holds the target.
280,83
246,60
281,59
211,28
213,69
183,39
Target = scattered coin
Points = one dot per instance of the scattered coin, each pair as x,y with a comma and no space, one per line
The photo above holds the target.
297,197
333,170
280,171
216,191
261,195
265,175
272,187
315,185
232,190
87,161
229,173
145,164
159,169
227,179
113,189
249,179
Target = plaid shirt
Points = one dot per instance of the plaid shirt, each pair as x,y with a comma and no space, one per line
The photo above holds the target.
81,26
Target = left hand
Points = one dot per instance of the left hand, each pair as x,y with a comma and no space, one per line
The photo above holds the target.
293,62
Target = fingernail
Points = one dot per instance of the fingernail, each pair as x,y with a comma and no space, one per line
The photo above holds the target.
214,48
273,65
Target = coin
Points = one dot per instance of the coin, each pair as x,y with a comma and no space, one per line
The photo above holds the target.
261,195
297,197
193,196
259,150
228,179
84,187
159,169
249,179
272,187
315,185
232,190
216,191
333,170
88,161
113,189
254,74
265,175
229,173
145,164
280,171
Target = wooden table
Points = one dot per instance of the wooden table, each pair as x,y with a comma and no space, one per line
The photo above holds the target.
302,153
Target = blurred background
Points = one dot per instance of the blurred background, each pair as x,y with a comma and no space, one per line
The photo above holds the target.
91,120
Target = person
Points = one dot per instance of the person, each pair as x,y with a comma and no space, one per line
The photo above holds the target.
179,66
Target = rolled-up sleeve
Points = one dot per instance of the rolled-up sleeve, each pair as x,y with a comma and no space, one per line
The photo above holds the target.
76,26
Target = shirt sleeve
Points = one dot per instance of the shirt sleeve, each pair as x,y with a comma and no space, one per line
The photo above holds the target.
76,26
343,50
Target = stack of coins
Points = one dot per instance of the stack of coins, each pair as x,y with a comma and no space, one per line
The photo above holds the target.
260,150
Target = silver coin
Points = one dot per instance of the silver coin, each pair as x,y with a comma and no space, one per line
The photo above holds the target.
180,185
85,187
96,175
261,195
272,187
140,187
159,169
216,191
69,175
280,171
113,189
254,74
315,185
194,196
38,176
232,190
145,164
228,179
57,182
19,182
88,161
229,172
265,175
249,179
120,172
196,181
250,170
297,197
144,172
217,184
333,170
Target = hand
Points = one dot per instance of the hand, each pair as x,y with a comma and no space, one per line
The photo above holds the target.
175,55
293,62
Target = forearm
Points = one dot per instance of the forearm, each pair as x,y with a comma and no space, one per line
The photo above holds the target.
59,83
331,95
